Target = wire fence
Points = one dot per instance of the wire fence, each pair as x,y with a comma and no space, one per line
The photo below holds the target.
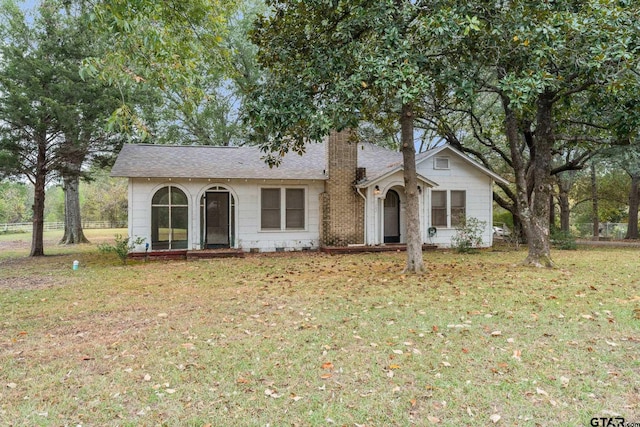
27,227
607,230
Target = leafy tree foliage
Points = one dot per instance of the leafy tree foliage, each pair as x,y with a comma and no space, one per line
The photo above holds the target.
15,202
172,45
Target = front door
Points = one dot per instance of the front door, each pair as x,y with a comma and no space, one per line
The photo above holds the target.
392,217
217,220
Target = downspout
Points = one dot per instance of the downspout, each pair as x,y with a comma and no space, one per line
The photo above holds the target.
364,240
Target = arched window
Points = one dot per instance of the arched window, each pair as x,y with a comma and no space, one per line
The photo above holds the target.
169,219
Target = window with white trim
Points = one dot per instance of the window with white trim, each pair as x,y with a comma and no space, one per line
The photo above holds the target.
169,219
441,163
282,209
448,208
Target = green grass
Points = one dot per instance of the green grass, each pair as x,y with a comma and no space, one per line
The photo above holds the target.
309,339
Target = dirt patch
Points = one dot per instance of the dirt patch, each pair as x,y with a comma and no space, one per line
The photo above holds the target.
28,283
13,245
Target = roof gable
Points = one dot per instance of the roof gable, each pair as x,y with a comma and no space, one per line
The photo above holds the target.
446,147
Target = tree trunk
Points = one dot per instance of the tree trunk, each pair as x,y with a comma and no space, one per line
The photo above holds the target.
538,230
552,211
594,203
564,186
40,178
634,202
533,188
73,233
415,263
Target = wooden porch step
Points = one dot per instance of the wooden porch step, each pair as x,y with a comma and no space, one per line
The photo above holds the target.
188,255
215,253
358,249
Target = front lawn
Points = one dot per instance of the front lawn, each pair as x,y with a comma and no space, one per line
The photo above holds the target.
309,339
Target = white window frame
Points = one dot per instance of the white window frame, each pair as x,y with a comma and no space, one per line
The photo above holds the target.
283,209
447,206
440,167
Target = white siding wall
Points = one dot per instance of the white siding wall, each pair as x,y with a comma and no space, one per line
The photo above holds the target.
247,211
460,176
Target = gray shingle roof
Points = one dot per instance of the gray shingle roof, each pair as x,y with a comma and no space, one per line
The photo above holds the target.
186,161
170,161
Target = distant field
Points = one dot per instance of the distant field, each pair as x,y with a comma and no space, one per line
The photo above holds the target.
308,339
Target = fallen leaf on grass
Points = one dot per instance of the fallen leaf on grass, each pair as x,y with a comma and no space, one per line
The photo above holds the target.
271,393
12,385
517,354
496,333
541,391
295,397
433,420
325,376
394,366
495,418
327,365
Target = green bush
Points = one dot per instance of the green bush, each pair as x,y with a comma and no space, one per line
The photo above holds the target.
563,240
468,236
122,247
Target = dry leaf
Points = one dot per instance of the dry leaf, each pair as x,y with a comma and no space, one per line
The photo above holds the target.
398,351
326,376
516,354
271,393
433,420
541,391
170,391
242,380
295,397
496,333
394,366
12,385
327,365
495,418
147,377
447,364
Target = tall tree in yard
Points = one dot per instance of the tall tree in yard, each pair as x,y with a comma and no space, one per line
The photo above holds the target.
49,116
331,64
535,57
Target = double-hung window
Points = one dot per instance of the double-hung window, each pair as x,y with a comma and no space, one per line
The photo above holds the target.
448,208
282,209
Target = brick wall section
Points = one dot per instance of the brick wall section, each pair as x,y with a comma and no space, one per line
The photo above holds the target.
342,206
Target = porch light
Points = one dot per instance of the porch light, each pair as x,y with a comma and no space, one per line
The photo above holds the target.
376,191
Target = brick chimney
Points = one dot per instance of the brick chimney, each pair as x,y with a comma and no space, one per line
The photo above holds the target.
342,206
